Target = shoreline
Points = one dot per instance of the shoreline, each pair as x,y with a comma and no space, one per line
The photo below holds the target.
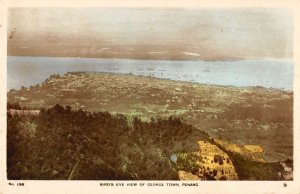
251,73
168,79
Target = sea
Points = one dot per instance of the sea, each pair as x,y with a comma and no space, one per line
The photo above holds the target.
270,73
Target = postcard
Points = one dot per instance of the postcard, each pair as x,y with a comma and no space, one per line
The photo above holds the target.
149,97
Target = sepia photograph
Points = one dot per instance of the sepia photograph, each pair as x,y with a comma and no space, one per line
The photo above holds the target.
125,93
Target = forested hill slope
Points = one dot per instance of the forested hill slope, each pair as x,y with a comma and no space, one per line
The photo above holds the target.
61,143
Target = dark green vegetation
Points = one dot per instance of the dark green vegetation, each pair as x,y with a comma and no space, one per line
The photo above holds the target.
188,162
61,143
64,144
252,170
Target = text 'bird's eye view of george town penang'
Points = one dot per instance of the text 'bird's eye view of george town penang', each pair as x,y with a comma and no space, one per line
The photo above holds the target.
133,93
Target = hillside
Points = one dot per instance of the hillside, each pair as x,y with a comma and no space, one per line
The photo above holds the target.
60,143
64,144
243,116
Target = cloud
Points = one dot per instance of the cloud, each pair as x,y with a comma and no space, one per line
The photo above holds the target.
215,33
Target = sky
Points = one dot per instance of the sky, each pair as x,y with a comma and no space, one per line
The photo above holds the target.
151,33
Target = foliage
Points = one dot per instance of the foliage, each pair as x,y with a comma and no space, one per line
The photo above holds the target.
13,106
188,162
252,170
74,144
